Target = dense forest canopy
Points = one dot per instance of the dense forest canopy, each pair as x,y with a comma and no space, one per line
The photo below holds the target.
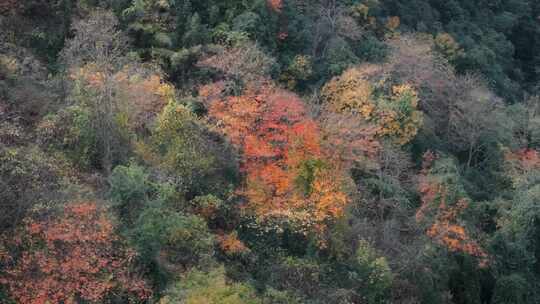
270,151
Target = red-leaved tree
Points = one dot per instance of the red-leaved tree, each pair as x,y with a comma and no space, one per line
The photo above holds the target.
275,5
445,205
288,175
67,258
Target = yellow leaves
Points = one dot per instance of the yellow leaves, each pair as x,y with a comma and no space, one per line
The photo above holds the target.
359,99
393,23
360,12
165,90
9,63
447,46
302,63
231,245
350,92
399,119
395,113
405,91
301,68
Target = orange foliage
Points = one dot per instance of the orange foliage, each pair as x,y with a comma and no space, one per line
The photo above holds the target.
69,257
526,159
520,164
212,91
230,244
445,228
277,138
90,74
275,5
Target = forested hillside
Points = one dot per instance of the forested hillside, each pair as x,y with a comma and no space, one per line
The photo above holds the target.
270,151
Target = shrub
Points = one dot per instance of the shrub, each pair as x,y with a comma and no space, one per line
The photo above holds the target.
172,238
210,288
130,187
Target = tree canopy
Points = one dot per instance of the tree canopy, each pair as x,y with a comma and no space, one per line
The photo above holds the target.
269,151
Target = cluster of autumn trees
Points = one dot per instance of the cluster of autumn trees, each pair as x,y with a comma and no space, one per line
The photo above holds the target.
287,172
67,258
268,151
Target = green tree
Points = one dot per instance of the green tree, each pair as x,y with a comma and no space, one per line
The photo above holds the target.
210,288
129,190
373,274
196,32
92,57
195,160
172,239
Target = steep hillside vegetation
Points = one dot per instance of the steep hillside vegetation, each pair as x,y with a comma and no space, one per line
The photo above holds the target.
269,151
